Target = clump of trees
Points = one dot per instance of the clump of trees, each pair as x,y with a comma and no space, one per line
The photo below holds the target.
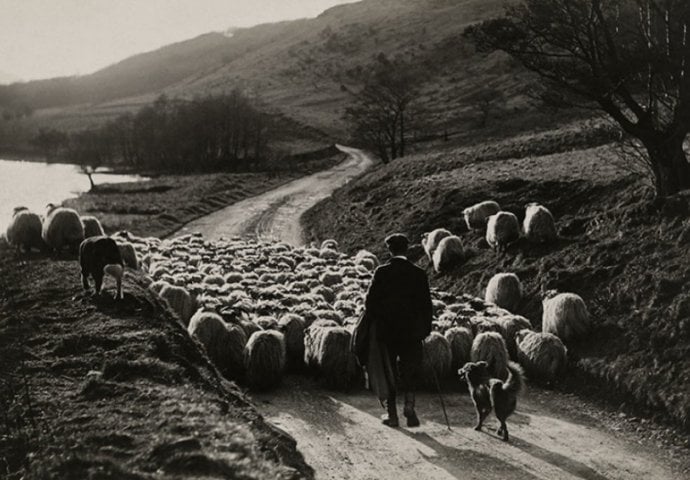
629,58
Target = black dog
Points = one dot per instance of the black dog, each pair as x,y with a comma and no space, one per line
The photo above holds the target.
477,377
98,256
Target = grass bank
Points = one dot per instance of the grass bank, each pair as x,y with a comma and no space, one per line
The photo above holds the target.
625,254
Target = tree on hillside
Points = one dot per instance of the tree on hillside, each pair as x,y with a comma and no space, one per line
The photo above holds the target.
91,149
631,58
379,115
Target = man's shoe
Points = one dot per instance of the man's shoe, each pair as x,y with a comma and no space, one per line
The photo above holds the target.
390,421
408,411
391,418
412,419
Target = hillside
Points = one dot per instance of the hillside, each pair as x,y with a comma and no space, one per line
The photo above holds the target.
306,69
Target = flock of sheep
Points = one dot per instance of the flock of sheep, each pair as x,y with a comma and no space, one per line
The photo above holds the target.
262,308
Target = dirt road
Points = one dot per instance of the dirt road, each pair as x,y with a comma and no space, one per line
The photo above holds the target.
275,214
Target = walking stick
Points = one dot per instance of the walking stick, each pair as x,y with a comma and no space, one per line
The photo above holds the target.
440,395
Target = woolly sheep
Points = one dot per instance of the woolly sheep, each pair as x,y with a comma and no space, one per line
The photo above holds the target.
504,290
477,215
460,340
448,254
490,347
129,255
92,227
539,225
267,322
367,260
431,240
330,279
62,228
337,365
264,359
293,327
179,300
24,230
502,229
312,340
330,244
437,359
543,355
223,343
511,325
566,316
157,286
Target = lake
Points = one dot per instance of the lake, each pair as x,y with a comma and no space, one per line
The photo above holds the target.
35,184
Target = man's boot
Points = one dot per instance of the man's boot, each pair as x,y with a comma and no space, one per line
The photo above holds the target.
408,411
391,418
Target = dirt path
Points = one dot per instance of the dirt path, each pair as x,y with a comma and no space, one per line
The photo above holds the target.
276,214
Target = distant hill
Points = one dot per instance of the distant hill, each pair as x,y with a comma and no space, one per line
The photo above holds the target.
7,78
304,69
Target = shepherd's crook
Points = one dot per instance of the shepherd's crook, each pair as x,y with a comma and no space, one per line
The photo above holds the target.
440,395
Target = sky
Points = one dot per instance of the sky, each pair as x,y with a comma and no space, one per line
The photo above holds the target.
49,38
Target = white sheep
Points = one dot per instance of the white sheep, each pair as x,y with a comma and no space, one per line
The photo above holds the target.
502,229
448,254
490,347
504,290
129,255
367,259
92,227
431,240
62,228
542,354
539,225
566,316
179,300
24,230
477,215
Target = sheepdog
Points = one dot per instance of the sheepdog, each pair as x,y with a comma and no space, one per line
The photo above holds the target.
99,256
504,396
476,374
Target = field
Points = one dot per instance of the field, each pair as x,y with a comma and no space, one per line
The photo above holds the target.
624,253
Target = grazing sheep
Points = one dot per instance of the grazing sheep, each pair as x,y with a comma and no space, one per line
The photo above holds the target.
24,230
542,354
448,254
477,215
264,359
504,290
98,256
129,255
502,229
511,325
437,359
460,340
367,259
179,300
566,316
539,225
293,327
62,228
330,244
490,347
92,227
431,240
337,365
223,343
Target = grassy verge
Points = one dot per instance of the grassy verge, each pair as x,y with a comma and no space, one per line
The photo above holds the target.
625,254
91,388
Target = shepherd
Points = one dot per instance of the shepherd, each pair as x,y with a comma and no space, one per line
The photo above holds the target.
399,308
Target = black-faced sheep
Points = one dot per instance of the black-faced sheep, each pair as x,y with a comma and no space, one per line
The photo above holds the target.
92,227
504,290
98,256
437,359
223,343
477,215
543,355
490,347
502,229
566,316
431,240
460,340
62,228
539,225
448,254
24,230
264,359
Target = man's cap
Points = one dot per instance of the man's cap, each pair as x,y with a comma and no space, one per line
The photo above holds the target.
397,241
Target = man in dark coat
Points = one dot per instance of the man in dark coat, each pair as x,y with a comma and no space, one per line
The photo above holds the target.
399,302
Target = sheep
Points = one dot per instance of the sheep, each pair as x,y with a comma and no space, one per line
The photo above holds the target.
267,322
501,230
223,343
511,325
490,347
337,365
542,354
448,254
329,244
293,327
431,240
312,340
264,359
62,228
367,259
437,359
179,300
98,256
566,316
24,230
539,225
329,279
504,290
92,227
460,340
477,215
129,255
157,286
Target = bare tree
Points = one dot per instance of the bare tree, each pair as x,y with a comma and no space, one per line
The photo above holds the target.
628,57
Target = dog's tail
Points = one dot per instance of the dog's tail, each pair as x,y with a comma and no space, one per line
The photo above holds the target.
515,379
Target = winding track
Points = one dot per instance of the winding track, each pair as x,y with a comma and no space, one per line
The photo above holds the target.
554,436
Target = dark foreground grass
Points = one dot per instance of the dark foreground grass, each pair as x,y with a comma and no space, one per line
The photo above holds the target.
625,254
92,388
